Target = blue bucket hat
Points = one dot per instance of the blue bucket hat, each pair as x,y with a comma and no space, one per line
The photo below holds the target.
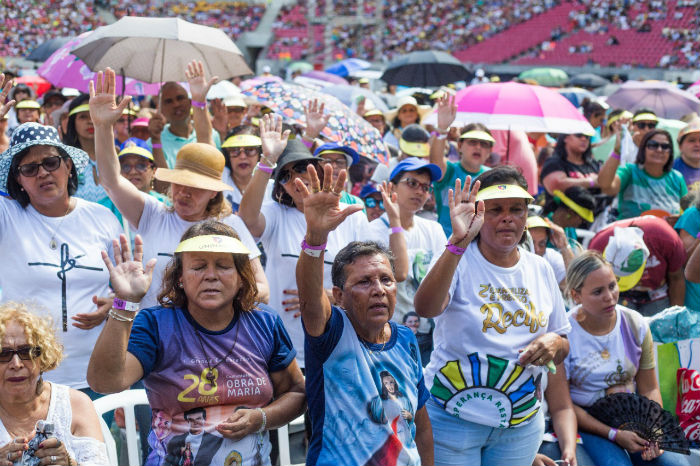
28,135
412,164
368,190
333,147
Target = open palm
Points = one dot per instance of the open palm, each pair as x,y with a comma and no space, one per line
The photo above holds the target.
466,213
273,139
129,279
103,106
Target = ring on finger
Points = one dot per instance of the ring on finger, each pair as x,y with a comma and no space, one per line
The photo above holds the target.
326,190
53,459
9,456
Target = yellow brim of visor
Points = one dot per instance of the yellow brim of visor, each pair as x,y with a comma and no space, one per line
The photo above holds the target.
645,117
416,149
242,140
504,191
79,109
213,243
537,222
480,135
136,150
586,214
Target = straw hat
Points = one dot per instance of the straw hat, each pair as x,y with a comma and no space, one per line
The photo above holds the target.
423,110
197,165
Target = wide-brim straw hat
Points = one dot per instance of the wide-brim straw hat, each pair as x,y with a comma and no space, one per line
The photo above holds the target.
34,134
197,165
423,110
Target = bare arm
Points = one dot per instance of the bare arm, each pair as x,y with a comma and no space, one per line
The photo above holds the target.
647,385
273,143
261,281
112,368
447,110
676,287
690,243
692,268
397,241
424,437
466,216
608,180
104,112
323,215
562,412
199,88
559,180
85,422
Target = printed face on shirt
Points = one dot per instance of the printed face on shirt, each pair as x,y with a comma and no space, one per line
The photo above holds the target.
190,203
369,294
161,424
210,281
599,293
47,186
504,223
196,422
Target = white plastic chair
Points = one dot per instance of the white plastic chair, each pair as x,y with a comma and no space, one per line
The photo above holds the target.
297,425
127,399
586,236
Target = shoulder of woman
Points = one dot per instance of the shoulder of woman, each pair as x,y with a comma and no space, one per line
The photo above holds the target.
80,404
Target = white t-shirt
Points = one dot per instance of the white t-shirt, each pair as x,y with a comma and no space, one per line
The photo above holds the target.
597,362
493,312
425,240
285,228
235,195
161,230
556,260
32,272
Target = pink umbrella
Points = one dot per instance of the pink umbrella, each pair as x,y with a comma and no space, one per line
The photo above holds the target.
63,69
517,106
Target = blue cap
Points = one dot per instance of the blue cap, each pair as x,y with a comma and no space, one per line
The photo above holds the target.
412,164
136,146
368,190
350,154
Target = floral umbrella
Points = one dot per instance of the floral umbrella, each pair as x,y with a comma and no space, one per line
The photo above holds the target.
344,125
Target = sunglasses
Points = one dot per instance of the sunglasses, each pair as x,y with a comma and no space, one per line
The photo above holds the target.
642,125
654,145
50,164
414,183
247,151
25,353
371,203
139,167
299,169
478,142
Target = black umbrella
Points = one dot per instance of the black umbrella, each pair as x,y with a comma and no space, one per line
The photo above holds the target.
428,68
588,80
44,51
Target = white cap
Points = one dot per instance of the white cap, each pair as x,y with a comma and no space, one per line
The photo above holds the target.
628,256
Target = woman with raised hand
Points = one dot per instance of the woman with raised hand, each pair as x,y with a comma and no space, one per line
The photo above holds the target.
216,361
196,188
499,320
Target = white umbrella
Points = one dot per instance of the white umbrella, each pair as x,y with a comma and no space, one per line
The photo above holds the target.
150,49
665,99
223,89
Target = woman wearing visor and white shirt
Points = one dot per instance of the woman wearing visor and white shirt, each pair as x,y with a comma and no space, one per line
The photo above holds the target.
196,187
499,319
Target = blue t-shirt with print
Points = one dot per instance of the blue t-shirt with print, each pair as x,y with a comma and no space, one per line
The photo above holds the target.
690,222
363,397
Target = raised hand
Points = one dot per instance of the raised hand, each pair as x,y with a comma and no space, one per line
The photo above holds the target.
391,207
220,118
130,280
466,213
156,125
104,110
196,78
273,139
322,204
6,85
316,118
446,112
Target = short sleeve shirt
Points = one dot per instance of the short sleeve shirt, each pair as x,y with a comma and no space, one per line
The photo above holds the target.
690,175
690,223
640,191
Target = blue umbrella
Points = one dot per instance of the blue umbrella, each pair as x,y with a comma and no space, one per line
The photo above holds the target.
348,66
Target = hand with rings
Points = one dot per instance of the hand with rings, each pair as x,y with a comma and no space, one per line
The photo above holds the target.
12,451
54,451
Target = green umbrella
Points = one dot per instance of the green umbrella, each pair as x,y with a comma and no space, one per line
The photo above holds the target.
300,66
546,76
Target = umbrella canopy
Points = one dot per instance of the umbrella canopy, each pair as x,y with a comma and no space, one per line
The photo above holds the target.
301,66
665,99
517,106
37,83
575,95
63,69
429,68
348,67
319,79
44,51
348,95
344,125
546,76
588,80
607,89
157,49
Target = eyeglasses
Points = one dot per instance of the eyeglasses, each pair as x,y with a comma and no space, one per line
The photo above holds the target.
478,142
654,145
50,164
338,163
247,151
371,203
642,125
25,353
139,167
299,169
414,183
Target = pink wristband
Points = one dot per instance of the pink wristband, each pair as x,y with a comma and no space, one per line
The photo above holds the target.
308,144
264,168
612,434
698,235
198,104
592,184
157,146
313,251
456,250
615,155
396,230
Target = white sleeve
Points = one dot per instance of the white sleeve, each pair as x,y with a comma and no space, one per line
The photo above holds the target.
378,232
235,222
150,210
360,226
272,212
5,214
556,260
558,321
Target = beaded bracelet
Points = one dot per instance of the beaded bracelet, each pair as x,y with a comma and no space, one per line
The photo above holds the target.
119,317
264,420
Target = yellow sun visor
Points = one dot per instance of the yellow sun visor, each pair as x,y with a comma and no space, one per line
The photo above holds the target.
213,243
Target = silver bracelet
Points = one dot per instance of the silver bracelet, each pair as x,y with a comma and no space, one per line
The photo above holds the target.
119,317
264,423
